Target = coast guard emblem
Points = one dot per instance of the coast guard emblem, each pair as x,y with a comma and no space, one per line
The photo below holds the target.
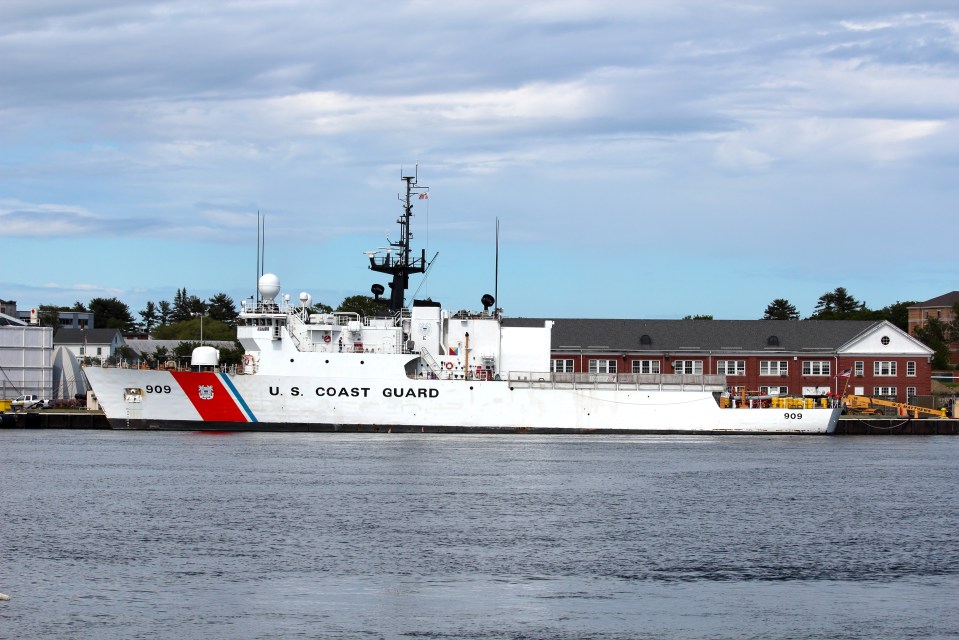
206,392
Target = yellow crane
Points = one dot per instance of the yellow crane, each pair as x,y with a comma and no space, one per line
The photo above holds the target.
869,406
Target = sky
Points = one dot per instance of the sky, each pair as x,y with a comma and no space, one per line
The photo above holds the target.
643,159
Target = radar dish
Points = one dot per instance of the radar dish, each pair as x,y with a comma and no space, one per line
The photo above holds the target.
268,286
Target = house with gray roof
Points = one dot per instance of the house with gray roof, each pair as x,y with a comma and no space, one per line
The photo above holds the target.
89,343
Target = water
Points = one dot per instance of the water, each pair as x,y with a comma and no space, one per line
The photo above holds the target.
180,535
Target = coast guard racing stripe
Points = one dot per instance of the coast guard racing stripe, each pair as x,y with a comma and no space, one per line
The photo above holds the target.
209,397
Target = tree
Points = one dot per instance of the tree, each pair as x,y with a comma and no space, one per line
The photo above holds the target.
165,311
838,305
185,305
698,317
897,313
781,309
190,330
935,335
110,313
221,307
159,356
49,315
363,305
319,307
150,316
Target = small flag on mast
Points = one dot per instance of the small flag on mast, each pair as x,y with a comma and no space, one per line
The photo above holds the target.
846,373
424,196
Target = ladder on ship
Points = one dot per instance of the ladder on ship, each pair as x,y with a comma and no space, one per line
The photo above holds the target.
431,363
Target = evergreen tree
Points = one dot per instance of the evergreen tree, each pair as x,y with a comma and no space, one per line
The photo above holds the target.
839,305
221,307
185,305
150,316
781,309
165,312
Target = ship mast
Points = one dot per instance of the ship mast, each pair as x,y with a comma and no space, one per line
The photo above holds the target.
398,261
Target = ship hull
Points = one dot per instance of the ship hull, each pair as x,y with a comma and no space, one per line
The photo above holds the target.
207,401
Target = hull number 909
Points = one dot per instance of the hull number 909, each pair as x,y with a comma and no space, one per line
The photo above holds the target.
158,388
792,416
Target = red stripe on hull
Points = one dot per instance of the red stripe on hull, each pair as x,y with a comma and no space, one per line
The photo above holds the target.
220,407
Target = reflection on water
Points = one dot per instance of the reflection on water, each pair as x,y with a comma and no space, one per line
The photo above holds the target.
129,534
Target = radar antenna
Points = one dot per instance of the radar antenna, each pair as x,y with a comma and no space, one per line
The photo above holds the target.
397,261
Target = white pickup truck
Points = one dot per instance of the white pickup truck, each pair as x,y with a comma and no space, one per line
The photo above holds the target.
27,402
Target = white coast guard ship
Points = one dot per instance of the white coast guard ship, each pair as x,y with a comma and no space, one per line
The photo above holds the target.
417,369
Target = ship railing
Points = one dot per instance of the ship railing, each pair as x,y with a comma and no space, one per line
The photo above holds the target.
638,381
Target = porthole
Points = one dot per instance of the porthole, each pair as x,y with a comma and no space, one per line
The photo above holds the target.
885,341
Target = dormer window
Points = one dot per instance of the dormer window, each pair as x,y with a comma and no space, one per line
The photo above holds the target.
645,340
772,341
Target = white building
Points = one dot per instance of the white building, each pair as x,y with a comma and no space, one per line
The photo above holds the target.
26,360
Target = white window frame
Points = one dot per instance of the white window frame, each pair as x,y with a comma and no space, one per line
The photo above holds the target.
688,367
911,368
885,392
774,367
816,368
646,366
561,365
911,393
602,365
731,367
859,368
884,368
774,390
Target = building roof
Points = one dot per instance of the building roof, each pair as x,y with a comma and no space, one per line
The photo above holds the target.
945,300
90,336
146,346
571,335
6,320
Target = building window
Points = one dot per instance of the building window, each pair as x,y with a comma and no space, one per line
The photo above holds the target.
911,394
99,351
859,368
884,391
774,391
83,351
561,366
689,367
884,368
731,367
815,368
911,368
773,367
885,341
602,366
645,366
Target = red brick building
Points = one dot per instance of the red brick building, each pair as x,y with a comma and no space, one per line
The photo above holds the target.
794,357
940,308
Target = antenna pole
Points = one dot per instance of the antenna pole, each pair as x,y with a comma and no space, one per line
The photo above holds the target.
402,265
496,272
258,242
